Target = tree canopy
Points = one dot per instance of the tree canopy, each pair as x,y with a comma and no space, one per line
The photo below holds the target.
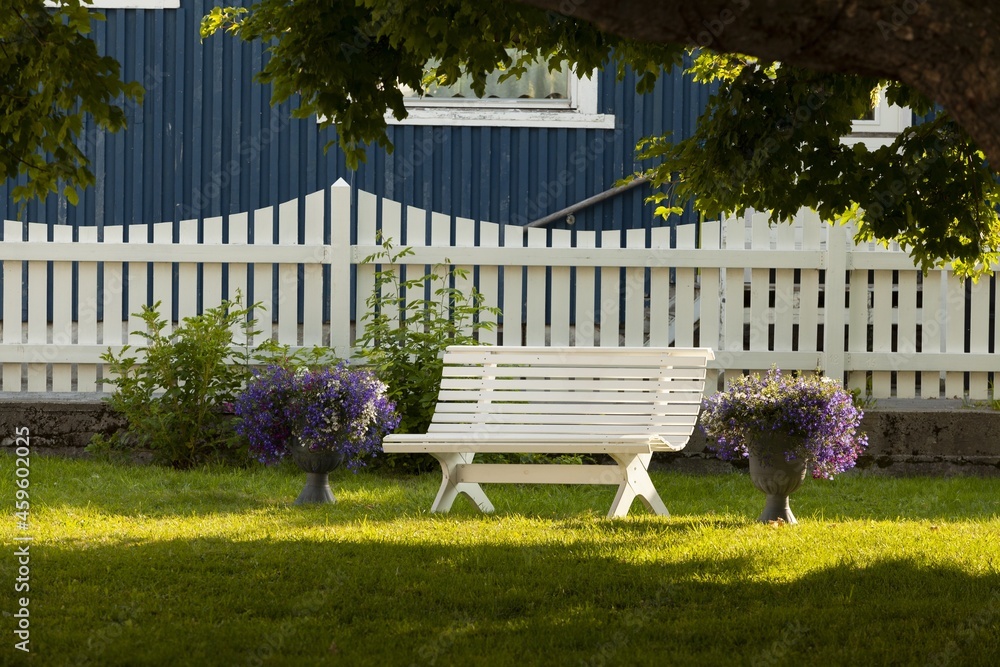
51,79
770,138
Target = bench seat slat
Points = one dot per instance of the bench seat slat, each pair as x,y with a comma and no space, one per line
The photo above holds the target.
518,447
607,430
444,421
500,386
664,408
634,373
576,396
561,351
580,359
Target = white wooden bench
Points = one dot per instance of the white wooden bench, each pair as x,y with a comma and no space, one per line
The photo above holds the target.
623,402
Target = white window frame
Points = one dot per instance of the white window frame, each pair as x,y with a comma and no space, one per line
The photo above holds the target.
126,4
579,111
883,129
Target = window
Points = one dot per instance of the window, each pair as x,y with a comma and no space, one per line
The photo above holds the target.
539,98
881,125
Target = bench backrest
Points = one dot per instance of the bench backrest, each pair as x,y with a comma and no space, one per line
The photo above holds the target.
572,390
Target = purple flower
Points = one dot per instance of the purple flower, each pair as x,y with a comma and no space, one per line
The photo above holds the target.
335,408
813,407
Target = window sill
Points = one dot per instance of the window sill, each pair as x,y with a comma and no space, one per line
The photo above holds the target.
126,4
505,118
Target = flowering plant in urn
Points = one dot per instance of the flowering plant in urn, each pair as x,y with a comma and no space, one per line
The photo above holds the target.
336,409
815,412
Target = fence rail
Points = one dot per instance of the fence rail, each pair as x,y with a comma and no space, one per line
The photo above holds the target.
801,296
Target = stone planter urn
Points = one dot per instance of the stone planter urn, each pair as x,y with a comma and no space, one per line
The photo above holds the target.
776,477
317,466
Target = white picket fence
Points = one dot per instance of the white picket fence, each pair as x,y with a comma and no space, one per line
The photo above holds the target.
798,296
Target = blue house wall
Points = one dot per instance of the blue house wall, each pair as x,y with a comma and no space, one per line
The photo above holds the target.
207,142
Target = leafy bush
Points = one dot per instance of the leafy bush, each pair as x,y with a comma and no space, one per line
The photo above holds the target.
176,391
408,325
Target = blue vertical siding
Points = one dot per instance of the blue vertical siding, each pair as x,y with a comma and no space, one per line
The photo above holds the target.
207,142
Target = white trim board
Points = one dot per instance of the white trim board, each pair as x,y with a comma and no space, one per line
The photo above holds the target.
126,4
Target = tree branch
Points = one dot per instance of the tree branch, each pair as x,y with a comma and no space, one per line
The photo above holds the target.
946,49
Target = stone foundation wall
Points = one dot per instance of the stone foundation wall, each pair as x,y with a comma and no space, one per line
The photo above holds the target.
906,437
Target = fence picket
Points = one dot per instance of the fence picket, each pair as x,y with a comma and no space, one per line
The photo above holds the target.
187,274
635,292
610,294
62,311
489,281
211,276
979,329
441,237
931,323
288,276
585,294
882,312
340,269
416,235
138,283
513,290
112,289
263,275
954,303
684,293
163,272
733,339
38,288
709,307
12,295
785,307
312,274
858,318
86,313
239,235
660,330
812,230
365,281
760,288
535,302
465,237
906,331
392,228
559,317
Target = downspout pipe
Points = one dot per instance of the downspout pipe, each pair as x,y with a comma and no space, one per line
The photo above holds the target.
568,213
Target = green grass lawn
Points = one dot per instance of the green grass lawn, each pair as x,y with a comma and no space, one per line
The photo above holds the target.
144,565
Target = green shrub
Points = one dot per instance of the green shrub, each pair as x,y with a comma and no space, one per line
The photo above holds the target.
175,391
409,323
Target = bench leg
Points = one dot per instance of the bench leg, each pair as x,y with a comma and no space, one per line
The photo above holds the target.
636,483
450,489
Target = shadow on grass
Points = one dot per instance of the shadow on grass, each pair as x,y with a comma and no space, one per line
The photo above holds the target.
220,602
